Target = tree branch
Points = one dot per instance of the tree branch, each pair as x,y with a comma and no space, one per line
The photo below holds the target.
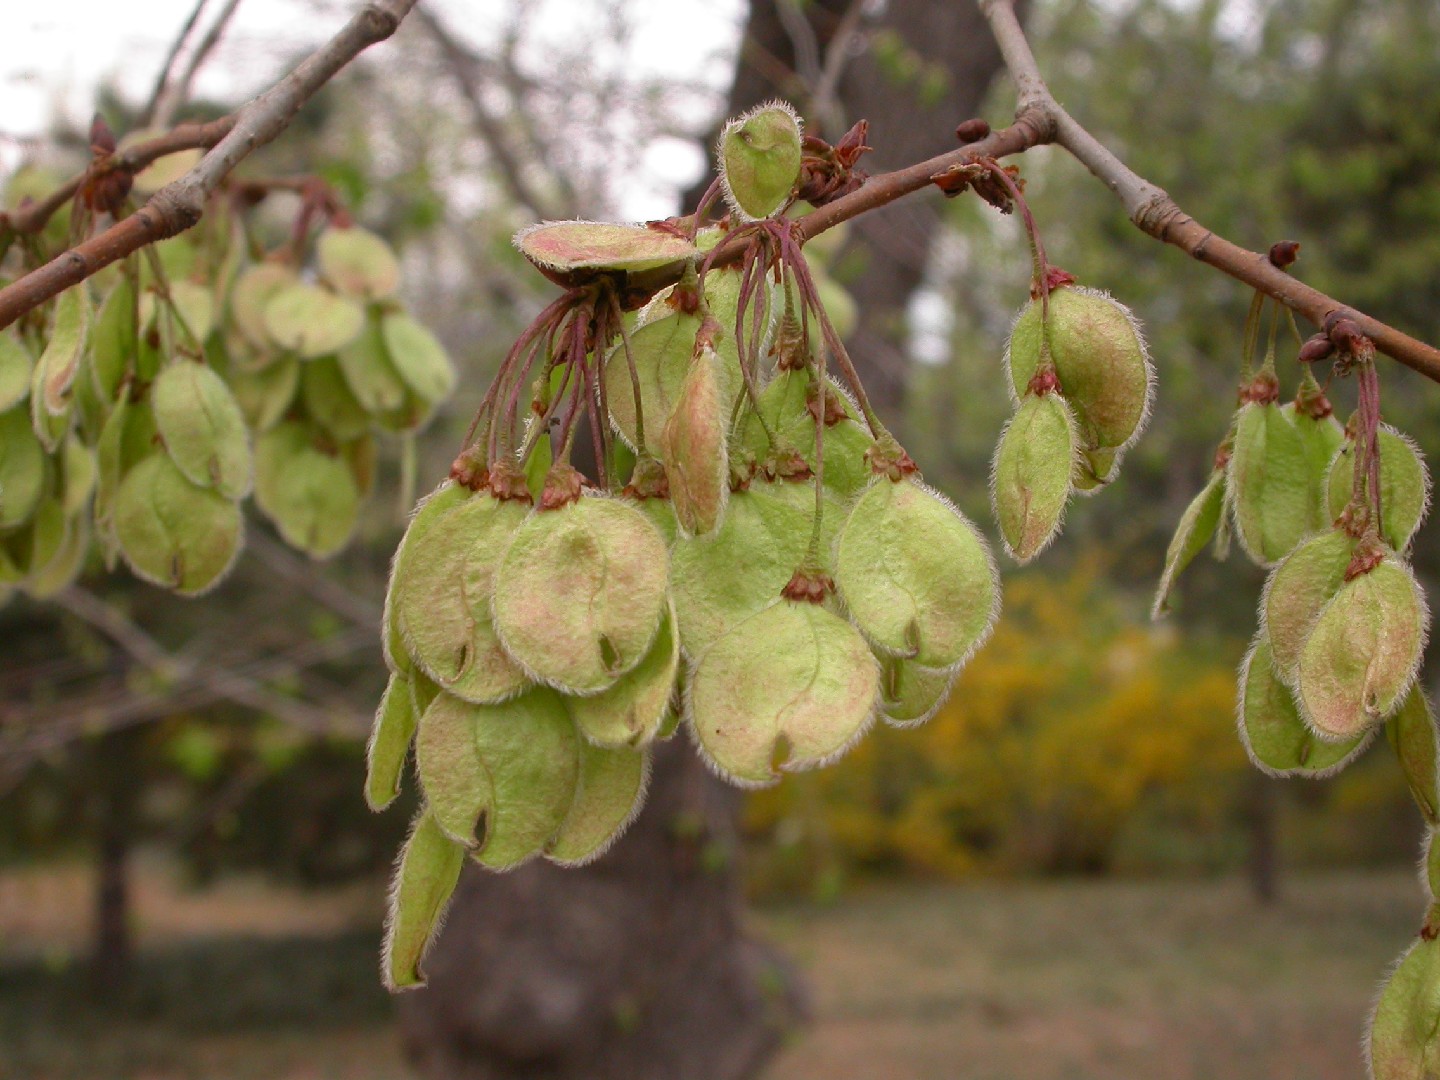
162,77
1155,213
174,94
178,206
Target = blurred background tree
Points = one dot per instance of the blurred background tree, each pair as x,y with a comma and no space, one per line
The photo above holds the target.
1081,740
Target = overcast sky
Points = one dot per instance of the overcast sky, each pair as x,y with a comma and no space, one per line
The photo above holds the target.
65,48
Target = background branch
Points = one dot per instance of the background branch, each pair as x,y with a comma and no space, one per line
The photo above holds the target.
178,206
162,77
175,94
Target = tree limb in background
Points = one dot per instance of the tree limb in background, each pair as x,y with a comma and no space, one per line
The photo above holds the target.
162,77
175,94
178,206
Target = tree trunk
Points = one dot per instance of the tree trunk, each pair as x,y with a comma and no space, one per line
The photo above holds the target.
1260,811
638,967
114,825
634,968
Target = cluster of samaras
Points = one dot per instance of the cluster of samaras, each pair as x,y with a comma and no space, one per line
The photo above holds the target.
749,554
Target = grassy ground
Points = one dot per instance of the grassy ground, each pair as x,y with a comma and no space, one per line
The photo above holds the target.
1040,981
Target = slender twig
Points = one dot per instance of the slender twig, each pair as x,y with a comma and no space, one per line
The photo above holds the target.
837,54
179,205
177,92
162,77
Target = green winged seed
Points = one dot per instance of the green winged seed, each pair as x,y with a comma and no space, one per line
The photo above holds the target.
609,795
784,406
1413,737
1096,469
1362,654
173,533
203,428
532,760
721,579
264,396
453,776
1321,439
310,495
22,469
1197,526
1272,731
916,575
418,357
443,583
1030,479
1404,1037
389,744
42,539
357,262
1404,485
16,369
422,692
78,471
62,568
574,251
580,593
793,685
692,446
372,378
1100,358
311,321
424,881
909,694
195,309
661,351
330,402
1268,484
1296,591
759,159
113,341
253,290
55,371
630,711
426,513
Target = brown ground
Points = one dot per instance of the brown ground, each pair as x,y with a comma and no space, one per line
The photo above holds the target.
1040,981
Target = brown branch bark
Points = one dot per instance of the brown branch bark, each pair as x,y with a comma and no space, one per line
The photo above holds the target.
1155,213
178,206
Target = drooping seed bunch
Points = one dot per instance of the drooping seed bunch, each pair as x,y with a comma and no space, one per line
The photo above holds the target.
748,553
1331,511
163,392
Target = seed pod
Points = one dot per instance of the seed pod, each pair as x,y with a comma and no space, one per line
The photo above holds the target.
610,793
1296,592
310,321
1030,478
692,446
423,517
1401,1041
1095,469
389,744
22,469
1361,656
1268,484
264,396
441,590
64,564
253,290
77,475
1272,731
423,692
580,593
916,575
572,253
16,369
173,533
54,377
424,881
329,401
1100,359
786,406
723,578
630,711
42,538
1404,485
113,341
793,685
909,694
203,428
1321,438
759,159
1197,526
194,311
372,378
661,351
418,358
310,495
1413,738
357,262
